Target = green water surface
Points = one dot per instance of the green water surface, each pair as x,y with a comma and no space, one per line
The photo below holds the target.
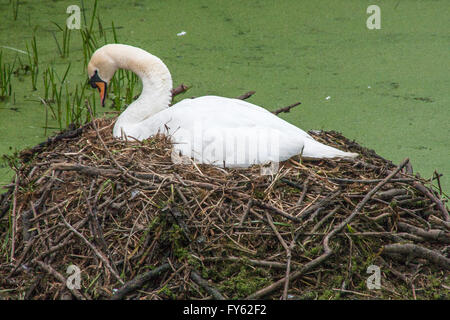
388,89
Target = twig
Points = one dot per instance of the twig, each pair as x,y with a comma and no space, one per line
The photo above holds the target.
13,216
437,177
305,189
180,89
443,223
264,205
433,234
319,224
247,211
139,281
438,202
280,238
293,184
368,181
417,251
386,195
259,263
321,204
246,95
354,292
88,170
286,109
205,285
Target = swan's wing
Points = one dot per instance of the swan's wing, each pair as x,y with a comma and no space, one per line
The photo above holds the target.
237,146
229,112
215,130
211,112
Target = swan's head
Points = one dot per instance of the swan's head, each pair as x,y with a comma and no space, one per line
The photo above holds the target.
107,59
101,69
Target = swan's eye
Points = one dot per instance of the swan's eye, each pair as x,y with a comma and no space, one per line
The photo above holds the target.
95,78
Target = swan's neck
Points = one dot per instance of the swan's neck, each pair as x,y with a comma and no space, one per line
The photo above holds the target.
157,88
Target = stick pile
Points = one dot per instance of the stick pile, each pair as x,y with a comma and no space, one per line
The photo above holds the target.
137,226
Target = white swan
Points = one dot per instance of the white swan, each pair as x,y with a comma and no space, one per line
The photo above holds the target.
210,129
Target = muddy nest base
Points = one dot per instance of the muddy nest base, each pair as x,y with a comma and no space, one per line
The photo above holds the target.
134,225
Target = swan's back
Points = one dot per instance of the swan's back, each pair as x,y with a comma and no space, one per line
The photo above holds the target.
214,112
231,132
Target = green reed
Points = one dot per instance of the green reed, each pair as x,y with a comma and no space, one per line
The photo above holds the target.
33,60
114,32
90,43
63,80
75,105
46,82
64,48
6,70
52,102
15,8
132,82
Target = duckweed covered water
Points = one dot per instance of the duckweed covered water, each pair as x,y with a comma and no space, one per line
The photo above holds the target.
388,89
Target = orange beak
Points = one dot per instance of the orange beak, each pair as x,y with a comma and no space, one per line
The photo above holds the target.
101,86
97,82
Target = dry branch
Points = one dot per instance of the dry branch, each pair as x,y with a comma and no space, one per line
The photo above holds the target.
180,89
433,234
246,95
419,186
205,285
139,282
286,109
418,251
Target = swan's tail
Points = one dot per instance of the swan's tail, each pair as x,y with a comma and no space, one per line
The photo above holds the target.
316,150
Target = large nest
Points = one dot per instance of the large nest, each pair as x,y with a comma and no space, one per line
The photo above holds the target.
138,226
